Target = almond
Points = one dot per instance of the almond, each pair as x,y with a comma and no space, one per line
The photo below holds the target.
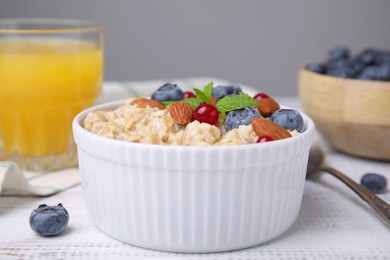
267,106
264,127
144,102
213,101
181,112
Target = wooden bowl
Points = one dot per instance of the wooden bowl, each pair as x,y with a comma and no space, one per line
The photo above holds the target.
352,115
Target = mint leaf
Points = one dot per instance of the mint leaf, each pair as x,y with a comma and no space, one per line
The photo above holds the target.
193,102
205,95
202,96
208,90
229,103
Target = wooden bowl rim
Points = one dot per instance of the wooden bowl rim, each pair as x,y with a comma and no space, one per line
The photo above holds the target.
304,69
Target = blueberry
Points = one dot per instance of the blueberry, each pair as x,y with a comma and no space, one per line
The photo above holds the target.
386,57
222,91
168,92
384,72
342,72
344,68
370,57
370,73
340,52
289,119
356,66
374,182
49,220
239,117
317,68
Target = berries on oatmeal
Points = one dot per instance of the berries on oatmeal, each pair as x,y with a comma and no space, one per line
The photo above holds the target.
289,119
168,92
260,96
195,120
264,139
239,117
189,94
206,113
221,91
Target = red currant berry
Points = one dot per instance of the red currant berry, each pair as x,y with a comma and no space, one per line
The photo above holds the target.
260,96
206,113
189,94
264,139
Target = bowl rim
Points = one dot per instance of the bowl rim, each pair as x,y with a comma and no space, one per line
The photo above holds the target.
309,128
303,69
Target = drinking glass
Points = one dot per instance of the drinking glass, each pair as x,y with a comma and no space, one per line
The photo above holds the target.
50,69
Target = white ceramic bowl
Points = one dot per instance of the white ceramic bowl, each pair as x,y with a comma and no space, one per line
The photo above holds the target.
192,199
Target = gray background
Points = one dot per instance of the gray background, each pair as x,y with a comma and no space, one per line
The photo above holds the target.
257,43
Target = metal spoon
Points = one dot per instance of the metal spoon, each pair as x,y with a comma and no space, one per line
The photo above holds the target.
316,158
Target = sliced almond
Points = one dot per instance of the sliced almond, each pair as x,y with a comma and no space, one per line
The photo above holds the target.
144,102
181,112
264,127
267,106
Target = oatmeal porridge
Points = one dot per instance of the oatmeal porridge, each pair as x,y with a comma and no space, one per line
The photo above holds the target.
222,116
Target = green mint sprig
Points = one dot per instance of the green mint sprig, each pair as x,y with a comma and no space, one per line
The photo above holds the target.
229,103
193,102
203,96
206,94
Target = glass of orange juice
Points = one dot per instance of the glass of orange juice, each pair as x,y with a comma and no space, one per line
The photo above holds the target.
50,70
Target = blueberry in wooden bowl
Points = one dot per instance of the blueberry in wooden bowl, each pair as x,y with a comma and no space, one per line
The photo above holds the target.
348,97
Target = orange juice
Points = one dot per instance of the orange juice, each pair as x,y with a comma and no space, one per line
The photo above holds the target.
44,83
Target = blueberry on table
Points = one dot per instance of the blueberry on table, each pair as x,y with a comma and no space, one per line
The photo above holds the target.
168,92
222,91
374,182
289,119
49,220
340,52
239,117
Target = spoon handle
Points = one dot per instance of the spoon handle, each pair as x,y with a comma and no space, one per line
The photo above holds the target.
373,200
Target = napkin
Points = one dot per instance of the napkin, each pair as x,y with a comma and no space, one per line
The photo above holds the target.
16,182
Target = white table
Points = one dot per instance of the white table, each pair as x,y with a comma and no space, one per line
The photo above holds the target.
333,223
